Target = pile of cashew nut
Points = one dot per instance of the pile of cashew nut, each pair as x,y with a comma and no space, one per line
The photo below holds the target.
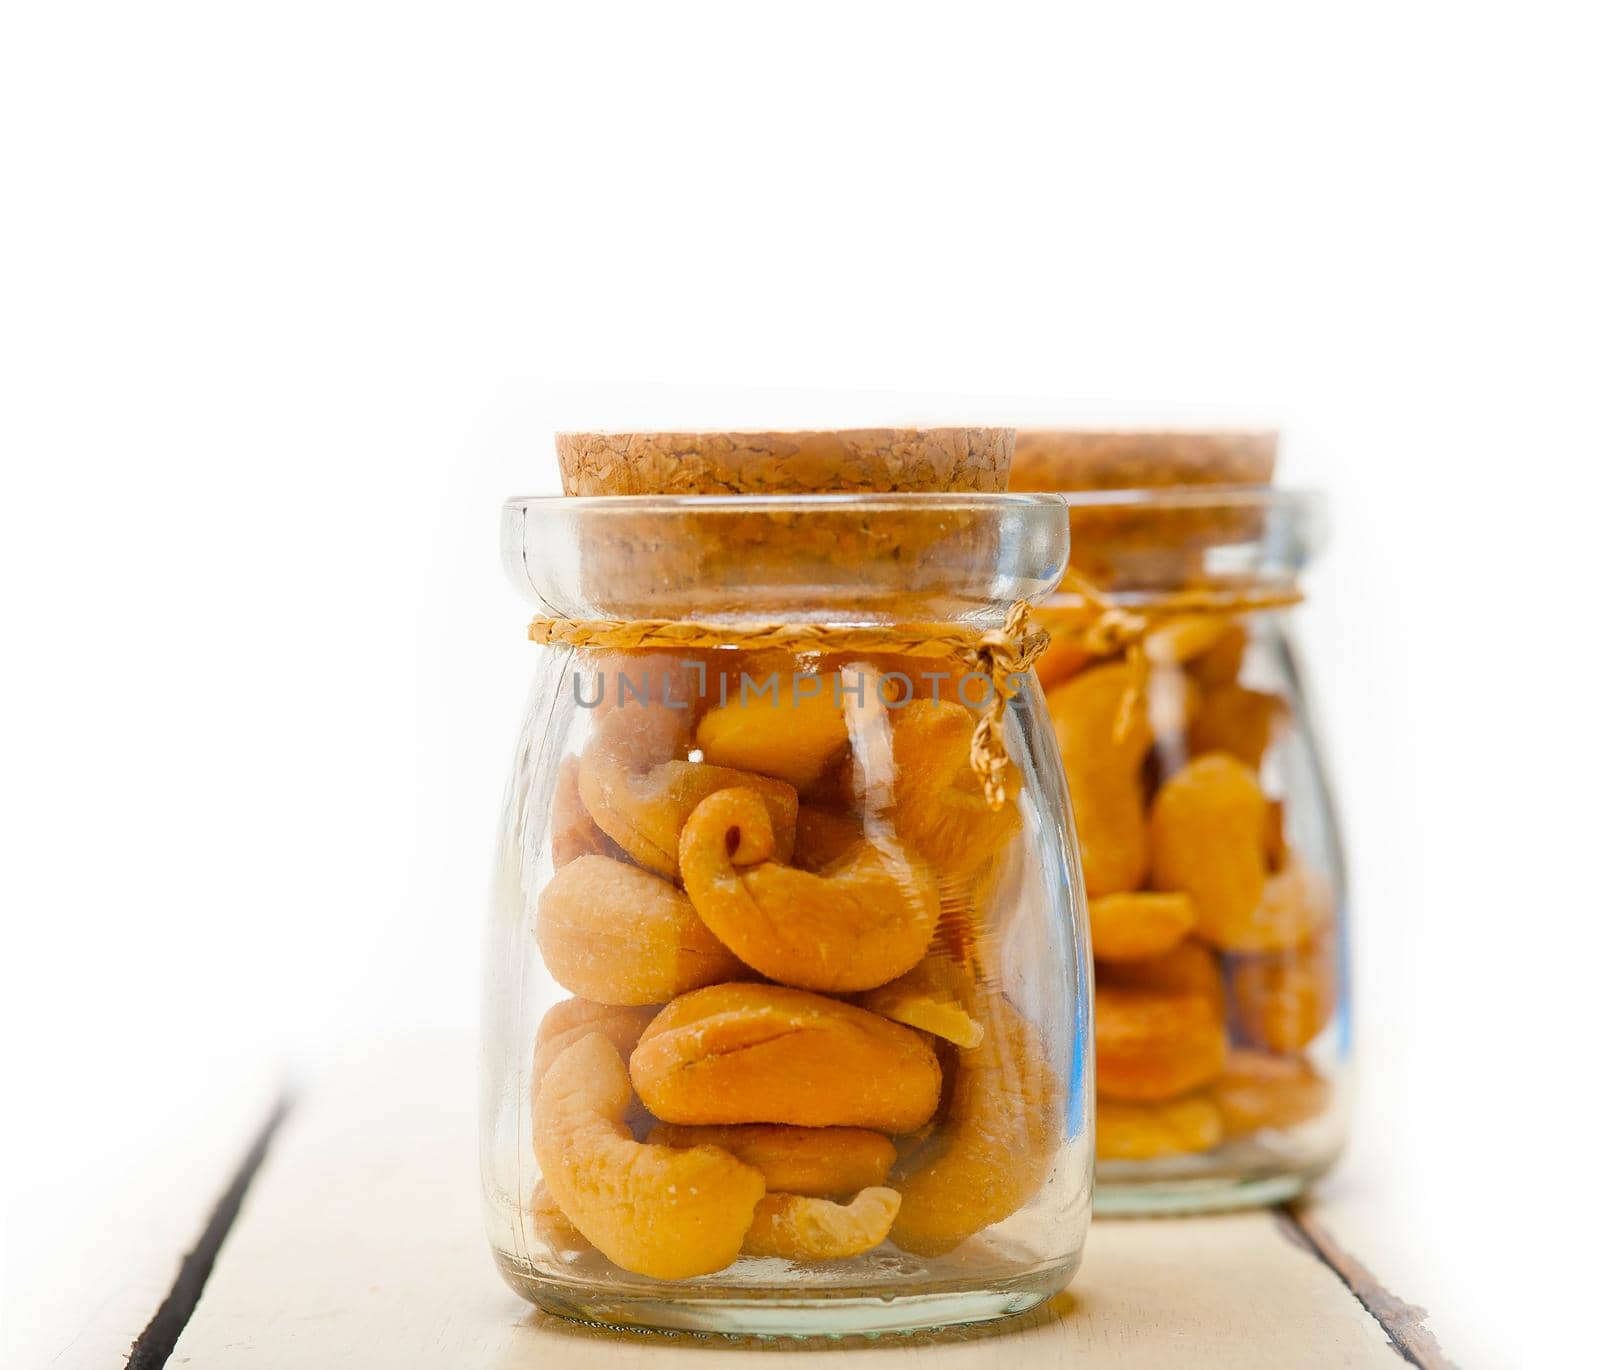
1214,942
780,1043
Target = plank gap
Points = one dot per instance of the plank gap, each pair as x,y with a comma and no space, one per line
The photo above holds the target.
1404,1323
153,1346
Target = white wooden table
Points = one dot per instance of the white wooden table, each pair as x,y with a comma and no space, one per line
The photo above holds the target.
344,1229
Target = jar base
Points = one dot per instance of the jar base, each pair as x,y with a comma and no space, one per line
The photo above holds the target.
811,1313
1178,1193
1247,1173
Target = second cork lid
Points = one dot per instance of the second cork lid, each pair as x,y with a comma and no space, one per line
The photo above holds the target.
820,461
1135,459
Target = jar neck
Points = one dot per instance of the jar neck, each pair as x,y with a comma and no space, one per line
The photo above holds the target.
1139,547
802,559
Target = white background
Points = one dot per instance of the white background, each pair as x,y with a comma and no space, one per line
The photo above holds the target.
295,293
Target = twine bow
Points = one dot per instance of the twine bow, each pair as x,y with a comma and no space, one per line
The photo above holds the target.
1117,628
998,655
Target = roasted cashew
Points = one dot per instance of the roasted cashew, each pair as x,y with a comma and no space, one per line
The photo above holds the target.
652,1210
1154,1046
859,922
792,732
1141,1132
818,1161
798,1228
1208,829
996,1145
1103,775
643,811
748,1053
939,808
1132,927
615,934
1257,1091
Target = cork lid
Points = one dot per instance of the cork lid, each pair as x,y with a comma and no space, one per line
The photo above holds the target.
1141,459
824,461
1134,541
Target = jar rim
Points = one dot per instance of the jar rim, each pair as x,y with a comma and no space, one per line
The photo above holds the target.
923,555
903,501
1148,540
1201,497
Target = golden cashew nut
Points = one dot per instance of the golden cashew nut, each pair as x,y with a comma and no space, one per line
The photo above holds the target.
574,1019
573,833
1180,641
1189,968
1104,775
798,1228
1238,721
1282,1000
615,934
643,811
1207,830
864,919
997,1144
939,807
793,731
1141,1132
934,996
1132,927
748,1053
652,1210
1154,1046
816,1161
1257,1091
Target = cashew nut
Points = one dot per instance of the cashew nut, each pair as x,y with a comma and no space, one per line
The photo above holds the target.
819,1161
861,921
1189,968
1256,1091
652,1210
791,732
998,1142
1238,721
1207,831
746,1053
933,995
615,934
573,833
938,803
644,811
1282,1000
1140,1132
798,1228
1103,775
1154,1046
1130,927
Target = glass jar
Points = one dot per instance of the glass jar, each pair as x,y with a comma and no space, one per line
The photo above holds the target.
1210,849
787,1025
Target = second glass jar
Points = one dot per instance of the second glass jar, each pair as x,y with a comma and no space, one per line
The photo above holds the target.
1211,854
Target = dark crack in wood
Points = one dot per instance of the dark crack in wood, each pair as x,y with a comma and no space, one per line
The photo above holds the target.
154,1345
1404,1323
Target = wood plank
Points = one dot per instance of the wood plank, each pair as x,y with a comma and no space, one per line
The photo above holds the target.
360,1244
108,1193
1405,1323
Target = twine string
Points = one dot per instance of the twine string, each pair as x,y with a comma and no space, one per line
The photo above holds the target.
1117,628
999,655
